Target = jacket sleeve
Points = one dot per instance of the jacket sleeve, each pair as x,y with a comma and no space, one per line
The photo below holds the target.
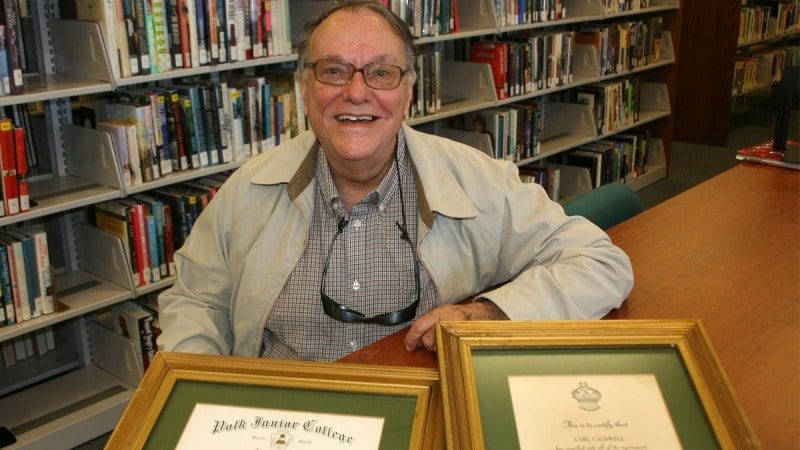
194,314
559,267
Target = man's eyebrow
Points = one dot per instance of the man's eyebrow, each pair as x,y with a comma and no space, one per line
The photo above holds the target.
378,59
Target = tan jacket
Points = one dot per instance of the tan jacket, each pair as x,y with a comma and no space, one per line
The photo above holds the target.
479,227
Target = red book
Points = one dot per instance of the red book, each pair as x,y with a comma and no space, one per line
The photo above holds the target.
22,170
140,246
8,167
766,154
183,27
496,55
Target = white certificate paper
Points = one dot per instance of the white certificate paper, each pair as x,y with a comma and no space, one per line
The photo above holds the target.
221,426
591,412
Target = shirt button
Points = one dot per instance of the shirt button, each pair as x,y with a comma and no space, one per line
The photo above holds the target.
353,346
356,285
356,223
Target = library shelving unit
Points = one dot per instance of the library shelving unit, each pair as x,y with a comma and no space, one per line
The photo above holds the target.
710,44
79,391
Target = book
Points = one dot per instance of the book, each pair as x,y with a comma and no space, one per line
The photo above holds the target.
10,20
23,186
45,276
19,282
119,139
766,154
135,323
32,277
7,289
8,167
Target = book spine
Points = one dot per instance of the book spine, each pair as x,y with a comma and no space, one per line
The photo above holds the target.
201,30
174,30
121,39
8,293
125,7
188,122
22,170
5,79
142,46
212,23
45,276
8,167
161,35
12,32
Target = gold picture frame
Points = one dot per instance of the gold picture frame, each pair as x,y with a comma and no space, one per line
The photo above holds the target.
476,358
408,399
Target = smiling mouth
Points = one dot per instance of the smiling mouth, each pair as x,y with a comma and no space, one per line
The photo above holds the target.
350,118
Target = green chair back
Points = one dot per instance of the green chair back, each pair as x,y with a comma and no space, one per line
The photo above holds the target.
606,205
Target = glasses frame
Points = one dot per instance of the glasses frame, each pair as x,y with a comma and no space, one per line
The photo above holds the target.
354,70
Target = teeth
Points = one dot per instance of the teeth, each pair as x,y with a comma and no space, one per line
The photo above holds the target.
354,118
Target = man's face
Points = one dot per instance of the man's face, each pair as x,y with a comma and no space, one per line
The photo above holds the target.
356,123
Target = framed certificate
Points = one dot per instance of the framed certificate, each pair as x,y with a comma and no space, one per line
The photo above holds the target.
614,384
188,401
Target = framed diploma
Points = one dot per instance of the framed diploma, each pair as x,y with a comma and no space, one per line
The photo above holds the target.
587,385
197,402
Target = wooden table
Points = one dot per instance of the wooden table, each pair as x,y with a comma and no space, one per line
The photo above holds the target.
727,252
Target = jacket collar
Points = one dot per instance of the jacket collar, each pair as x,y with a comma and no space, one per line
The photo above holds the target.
438,191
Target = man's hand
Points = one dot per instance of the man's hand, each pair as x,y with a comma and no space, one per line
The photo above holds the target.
423,331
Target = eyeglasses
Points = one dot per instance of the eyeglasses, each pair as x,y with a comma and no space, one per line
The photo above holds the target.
339,73
342,313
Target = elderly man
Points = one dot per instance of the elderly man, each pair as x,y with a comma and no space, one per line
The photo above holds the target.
363,225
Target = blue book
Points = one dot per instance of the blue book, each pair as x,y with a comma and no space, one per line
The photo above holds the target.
5,284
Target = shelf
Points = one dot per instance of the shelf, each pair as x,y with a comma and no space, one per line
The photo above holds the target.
39,368
181,176
78,293
203,70
55,195
656,166
81,405
50,87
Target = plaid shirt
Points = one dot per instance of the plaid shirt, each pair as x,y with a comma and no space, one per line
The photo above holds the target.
371,270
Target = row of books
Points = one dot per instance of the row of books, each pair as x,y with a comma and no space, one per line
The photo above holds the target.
29,345
26,279
153,36
624,46
762,68
527,62
427,93
427,17
614,103
615,6
547,175
158,130
514,12
515,129
619,158
760,22
152,226
13,169
11,49
139,324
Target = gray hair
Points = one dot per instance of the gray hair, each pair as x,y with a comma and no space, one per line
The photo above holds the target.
397,25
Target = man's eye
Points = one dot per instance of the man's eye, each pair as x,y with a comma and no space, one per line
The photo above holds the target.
380,73
333,71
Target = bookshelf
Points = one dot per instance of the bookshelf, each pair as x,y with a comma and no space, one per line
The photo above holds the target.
707,98
83,387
